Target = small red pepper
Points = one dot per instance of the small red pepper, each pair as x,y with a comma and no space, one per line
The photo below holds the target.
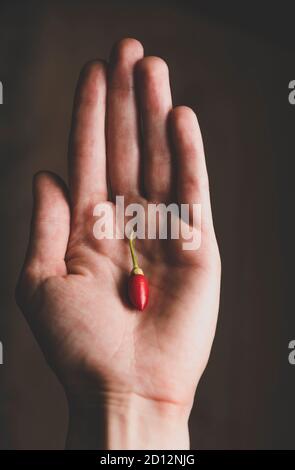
138,288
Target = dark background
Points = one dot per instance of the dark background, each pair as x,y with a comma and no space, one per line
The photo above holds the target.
232,65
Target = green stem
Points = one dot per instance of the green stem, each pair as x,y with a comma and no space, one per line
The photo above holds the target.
136,269
134,257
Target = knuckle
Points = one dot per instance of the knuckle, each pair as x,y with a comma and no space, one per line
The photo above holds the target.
218,262
215,258
203,183
189,185
25,285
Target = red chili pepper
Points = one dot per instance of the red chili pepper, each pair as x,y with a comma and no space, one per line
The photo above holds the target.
138,288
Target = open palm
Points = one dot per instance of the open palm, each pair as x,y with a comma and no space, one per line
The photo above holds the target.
126,139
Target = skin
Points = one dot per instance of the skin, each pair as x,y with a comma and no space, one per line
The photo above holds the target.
130,377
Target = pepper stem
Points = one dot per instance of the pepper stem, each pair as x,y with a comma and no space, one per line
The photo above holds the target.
136,269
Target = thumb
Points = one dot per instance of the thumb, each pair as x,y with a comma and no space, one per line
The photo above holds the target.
50,228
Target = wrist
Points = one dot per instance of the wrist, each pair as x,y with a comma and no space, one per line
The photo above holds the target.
127,422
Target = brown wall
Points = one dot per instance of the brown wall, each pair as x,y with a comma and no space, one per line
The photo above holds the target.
237,81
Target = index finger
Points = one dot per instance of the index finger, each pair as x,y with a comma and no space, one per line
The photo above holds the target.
87,150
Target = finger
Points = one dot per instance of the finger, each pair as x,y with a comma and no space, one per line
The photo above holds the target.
192,177
123,143
155,103
49,228
87,154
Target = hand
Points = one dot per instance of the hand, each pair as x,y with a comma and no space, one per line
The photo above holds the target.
137,370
